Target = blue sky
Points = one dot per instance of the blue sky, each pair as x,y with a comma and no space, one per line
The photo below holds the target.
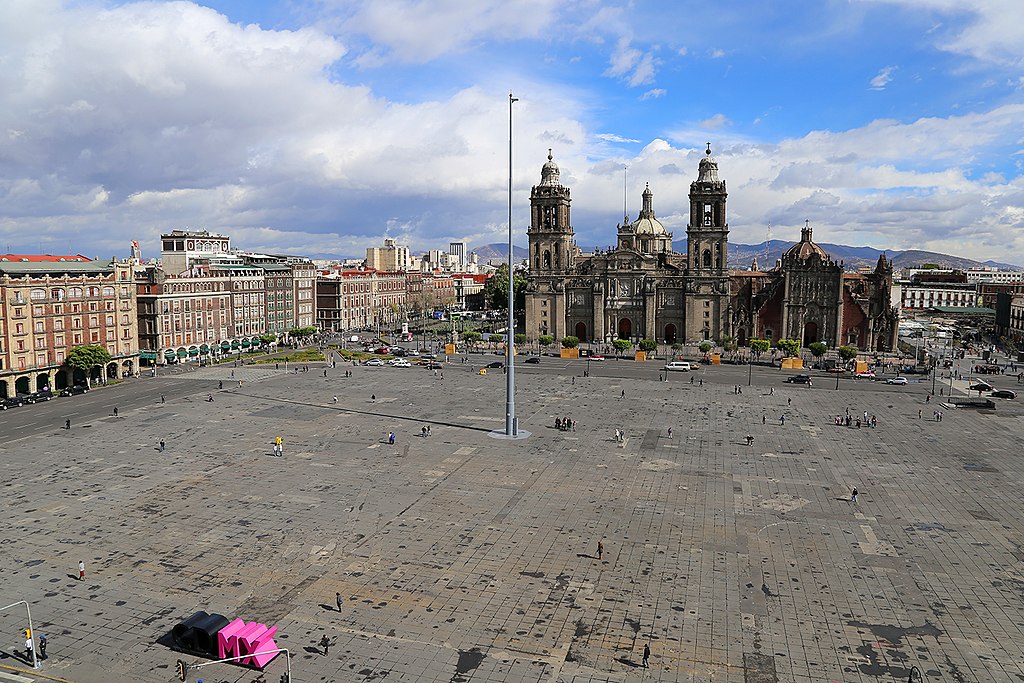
319,126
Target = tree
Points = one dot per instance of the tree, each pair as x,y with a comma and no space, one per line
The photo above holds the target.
471,338
496,289
266,339
302,332
570,342
648,345
759,346
847,352
705,346
520,339
545,340
790,347
818,349
621,345
727,343
87,357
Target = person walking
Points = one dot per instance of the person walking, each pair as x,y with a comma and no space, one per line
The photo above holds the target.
600,550
30,650
853,495
623,394
115,411
67,424
162,445
278,446
782,420
335,399
919,413
81,570
764,419
162,399
42,646
325,643
337,600
647,654
428,430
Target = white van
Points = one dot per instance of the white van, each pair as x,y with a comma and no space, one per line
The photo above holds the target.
682,366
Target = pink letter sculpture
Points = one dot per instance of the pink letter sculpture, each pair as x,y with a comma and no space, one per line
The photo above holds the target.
238,639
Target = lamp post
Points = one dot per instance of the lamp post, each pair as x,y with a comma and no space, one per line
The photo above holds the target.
511,428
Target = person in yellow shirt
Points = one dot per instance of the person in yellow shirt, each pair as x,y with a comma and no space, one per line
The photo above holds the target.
278,446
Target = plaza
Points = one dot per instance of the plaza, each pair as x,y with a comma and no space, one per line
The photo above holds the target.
460,557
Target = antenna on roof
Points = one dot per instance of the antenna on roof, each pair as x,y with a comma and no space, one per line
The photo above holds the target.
767,243
624,214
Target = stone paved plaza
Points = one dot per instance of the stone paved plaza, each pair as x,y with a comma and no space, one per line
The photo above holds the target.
461,557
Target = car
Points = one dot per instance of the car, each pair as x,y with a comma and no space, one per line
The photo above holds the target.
13,402
495,364
1003,393
76,389
432,365
382,350
401,363
595,357
38,396
799,379
414,353
398,351
980,386
865,375
375,362
533,360
678,365
896,380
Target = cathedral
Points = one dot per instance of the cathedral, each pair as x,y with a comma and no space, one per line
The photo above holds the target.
643,289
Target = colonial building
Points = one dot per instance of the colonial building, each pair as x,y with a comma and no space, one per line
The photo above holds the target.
643,289
51,304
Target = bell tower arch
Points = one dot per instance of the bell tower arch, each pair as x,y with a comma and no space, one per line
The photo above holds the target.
707,246
552,253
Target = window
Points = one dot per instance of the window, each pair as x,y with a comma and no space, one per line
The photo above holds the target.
37,310
58,340
78,339
95,336
57,294
108,291
39,326
58,309
38,294
110,320
19,312
58,324
19,328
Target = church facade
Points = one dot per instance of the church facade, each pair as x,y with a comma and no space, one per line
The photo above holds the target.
642,288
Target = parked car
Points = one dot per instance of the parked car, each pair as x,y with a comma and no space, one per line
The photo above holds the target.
865,375
12,402
799,379
533,360
432,365
496,364
76,389
38,396
398,351
595,357
375,362
1003,393
896,380
678,365
401,363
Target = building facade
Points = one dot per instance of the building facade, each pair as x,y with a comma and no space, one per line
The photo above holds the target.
643,289
52,304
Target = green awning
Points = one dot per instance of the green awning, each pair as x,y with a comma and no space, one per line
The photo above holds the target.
193,352
234,345
147,355
182,353
225,345
245,342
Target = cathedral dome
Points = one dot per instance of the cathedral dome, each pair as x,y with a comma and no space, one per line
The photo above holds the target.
646,223
803,249
549,172
707,169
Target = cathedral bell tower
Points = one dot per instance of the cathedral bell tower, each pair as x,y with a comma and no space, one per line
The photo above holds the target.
552,253
707,255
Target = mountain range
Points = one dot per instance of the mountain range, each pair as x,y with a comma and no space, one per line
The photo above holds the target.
767,253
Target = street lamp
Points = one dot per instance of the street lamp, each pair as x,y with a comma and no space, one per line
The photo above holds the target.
511,428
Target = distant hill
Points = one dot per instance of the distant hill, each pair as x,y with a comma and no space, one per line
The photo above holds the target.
498,251
741,255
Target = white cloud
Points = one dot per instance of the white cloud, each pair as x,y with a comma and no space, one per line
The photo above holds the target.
883,78
612,137
715,122
422,30
636,66
654,93
716,53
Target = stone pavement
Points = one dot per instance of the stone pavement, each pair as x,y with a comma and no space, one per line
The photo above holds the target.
465,558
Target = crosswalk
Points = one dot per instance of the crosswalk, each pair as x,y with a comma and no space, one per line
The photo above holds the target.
15,678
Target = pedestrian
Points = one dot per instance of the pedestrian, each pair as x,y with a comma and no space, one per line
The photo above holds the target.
660,377
115,411
42,646
335,399
574,380
423,432
623,394
373,397
325,643
573,425
67,424
161,445
162,399
782,420
337,600
325,372
647,654
428,430
764,419
391,438
853,495
750,440
691,379
919,413
81,570
772,392
278,446
29,649
670,432
701,381
600,550
789,401
928,398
